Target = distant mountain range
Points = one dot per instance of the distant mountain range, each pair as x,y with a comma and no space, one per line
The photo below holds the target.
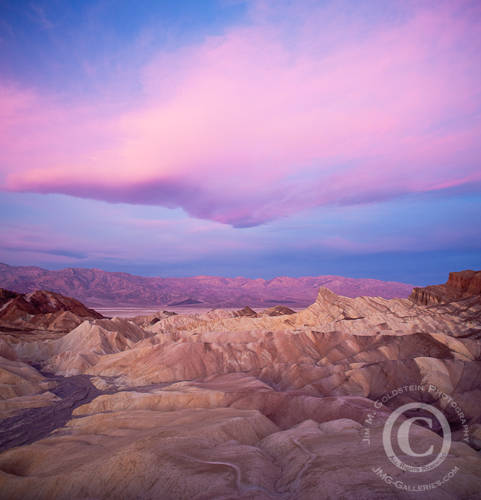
98,288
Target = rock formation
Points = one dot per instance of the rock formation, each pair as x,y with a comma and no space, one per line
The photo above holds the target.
245,311
42,310
460,285
242,404
278,311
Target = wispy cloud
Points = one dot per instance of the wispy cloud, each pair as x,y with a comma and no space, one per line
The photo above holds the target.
37,13
37,240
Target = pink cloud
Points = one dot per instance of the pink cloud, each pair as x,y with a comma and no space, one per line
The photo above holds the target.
248,127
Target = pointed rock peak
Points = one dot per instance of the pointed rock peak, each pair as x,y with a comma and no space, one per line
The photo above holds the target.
326,295
246,311
278,311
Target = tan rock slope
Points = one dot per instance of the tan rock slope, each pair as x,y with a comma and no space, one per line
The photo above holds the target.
245,404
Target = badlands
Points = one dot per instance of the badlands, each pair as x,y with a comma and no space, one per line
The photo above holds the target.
275,404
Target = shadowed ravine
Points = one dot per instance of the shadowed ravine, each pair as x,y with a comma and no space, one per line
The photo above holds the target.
36,423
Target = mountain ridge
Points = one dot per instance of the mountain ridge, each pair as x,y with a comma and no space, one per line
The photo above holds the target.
98,288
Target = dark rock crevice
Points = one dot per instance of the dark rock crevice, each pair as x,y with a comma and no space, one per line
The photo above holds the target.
36,423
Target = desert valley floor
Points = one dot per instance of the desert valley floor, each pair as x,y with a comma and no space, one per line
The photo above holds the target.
252,404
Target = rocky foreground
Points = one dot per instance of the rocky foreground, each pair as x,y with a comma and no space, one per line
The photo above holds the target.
238,404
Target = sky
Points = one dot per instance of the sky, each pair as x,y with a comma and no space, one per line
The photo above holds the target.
242,137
